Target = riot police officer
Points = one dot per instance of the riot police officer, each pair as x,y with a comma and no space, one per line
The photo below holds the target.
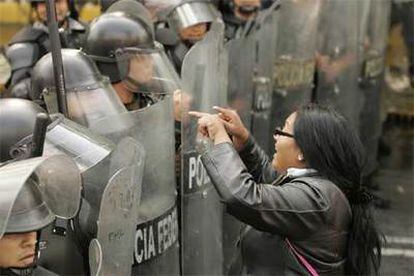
33,191
190,20
121,42
124,24
236,14
83,91
32,42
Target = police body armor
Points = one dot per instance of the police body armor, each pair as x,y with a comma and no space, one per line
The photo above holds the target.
339,57
371,79
204,77
148,72
294,61
29,45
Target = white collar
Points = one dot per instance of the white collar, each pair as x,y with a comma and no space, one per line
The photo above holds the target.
297,172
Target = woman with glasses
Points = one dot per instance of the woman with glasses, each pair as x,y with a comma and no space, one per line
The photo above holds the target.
306,209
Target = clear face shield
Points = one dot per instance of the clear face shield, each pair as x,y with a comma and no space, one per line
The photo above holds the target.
87,104
147,72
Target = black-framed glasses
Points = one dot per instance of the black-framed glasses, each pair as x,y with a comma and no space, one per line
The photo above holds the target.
278,131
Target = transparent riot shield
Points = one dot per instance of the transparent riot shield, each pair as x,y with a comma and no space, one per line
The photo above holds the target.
296,24
204,77
57,178
339,56
65,242
118,211
264,51
156,236
372,77
149,75
240,76
250,93
250,76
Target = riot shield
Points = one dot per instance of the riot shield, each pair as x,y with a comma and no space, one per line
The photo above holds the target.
339,56
204,77
57,178
240,76
296,24
265,37
64,242
156,246
147,75
249,92
118,210
250,76
372,77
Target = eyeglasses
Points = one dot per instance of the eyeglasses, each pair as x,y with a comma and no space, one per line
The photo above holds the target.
278,131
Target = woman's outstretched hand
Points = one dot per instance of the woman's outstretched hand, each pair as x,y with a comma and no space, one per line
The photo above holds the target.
219,126
234,126
211,126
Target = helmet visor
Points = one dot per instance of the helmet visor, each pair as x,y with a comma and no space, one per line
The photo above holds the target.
58,180
147,71
192,13
88,104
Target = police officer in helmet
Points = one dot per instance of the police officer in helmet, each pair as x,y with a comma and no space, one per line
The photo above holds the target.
236,13
121,42
32,193
32,42
190,20
30,190
19,244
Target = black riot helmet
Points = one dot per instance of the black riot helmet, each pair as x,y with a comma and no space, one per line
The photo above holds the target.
79,72
89,95
17,120
125,24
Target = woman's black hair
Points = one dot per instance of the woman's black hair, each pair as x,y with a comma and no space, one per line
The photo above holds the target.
330,146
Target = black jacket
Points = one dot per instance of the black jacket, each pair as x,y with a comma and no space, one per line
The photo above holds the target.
309,210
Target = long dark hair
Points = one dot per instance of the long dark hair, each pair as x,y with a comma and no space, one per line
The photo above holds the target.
330,146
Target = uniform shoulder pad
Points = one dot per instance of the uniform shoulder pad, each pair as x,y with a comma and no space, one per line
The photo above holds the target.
27,34
21,55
